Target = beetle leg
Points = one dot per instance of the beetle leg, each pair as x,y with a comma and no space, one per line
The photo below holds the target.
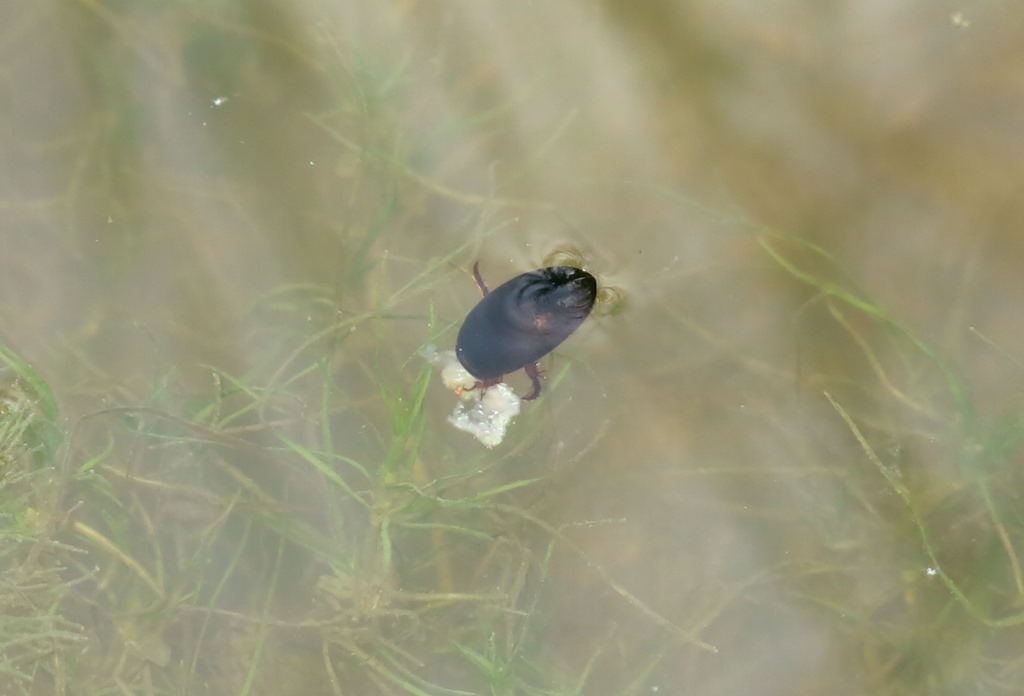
479,279
534,373
480,384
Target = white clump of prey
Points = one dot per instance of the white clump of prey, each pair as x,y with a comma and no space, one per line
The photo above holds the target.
484,413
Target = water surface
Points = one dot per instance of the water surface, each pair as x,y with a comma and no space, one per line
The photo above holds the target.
230,227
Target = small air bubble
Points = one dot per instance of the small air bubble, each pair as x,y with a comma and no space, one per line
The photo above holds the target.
959,19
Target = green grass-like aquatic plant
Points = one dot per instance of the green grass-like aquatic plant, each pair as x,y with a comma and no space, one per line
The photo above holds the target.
910,392
35,633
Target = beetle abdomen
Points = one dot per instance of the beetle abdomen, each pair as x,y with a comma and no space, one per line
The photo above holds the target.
524,319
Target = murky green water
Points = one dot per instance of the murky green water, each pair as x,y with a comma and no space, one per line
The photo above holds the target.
788,464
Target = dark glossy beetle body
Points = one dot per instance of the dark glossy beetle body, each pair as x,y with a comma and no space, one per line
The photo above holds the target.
523,320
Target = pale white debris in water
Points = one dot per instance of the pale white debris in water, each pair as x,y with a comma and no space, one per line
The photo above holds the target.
453,374
483,413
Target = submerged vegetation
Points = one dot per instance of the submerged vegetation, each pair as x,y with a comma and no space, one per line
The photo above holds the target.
286,534
281,535
927,475
37,630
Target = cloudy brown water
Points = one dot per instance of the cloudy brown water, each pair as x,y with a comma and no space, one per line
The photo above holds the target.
788,462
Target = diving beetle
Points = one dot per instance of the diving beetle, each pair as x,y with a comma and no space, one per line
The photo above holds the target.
521,321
